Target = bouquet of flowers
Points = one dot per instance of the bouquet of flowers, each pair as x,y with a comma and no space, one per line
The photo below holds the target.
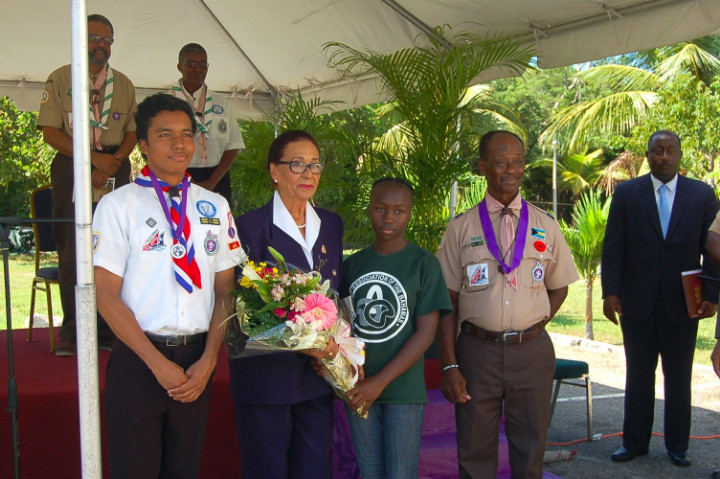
284,309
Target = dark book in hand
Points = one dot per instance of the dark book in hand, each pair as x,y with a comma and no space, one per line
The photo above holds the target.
694,291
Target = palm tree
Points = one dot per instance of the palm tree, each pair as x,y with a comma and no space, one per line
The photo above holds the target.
631,92
585,238
578,171
434,109
249,175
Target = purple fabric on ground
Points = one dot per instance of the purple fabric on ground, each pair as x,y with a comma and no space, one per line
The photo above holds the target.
438,455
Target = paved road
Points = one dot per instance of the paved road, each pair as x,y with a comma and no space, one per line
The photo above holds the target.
607,370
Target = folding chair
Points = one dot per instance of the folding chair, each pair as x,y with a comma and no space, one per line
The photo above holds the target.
41,208
566,369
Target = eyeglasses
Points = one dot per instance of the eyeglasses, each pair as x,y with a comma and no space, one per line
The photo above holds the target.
194,65
97,39
300,167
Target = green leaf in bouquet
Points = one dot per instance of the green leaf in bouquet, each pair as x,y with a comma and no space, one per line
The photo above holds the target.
279,258
260,322
272,305
264,289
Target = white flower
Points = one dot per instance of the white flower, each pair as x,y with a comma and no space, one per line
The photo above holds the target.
324,287
277,292
298,304
250,273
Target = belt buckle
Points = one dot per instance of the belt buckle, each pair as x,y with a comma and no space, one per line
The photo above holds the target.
506,335
176,340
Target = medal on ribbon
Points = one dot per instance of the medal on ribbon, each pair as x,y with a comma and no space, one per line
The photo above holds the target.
491,240
187,272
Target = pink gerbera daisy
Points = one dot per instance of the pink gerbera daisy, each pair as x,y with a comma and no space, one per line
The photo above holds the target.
320,311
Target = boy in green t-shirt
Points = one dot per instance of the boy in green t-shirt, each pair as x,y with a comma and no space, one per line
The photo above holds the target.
399,294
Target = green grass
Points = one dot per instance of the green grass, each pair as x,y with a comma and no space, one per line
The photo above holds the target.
570,320
22,272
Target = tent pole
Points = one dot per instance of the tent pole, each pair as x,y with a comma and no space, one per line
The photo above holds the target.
554,177
88,382
422,26
231,40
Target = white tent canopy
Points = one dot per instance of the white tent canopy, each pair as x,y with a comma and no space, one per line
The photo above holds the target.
260,49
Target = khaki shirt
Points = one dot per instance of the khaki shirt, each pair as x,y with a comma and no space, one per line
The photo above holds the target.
56,106
715,228
484,299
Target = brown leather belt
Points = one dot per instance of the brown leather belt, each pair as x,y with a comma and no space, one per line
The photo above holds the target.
504,337
176,339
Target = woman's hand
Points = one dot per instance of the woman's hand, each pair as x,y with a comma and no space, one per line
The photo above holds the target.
329,352
318,367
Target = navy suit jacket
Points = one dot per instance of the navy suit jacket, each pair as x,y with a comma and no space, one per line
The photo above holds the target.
638,264
284,378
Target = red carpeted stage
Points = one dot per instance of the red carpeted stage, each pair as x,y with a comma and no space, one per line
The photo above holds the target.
48,417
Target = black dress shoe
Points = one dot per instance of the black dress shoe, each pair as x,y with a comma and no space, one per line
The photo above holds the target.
623,455
679,458
715,474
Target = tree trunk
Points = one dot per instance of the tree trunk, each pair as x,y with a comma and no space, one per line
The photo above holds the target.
588,307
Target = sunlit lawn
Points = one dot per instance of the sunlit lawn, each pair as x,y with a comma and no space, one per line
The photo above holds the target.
22,271
570,320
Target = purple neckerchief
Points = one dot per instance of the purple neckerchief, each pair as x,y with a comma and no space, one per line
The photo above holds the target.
159,186
520,238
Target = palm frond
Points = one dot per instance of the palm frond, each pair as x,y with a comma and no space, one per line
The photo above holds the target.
586,234
692,59
620,78
614,114
622,168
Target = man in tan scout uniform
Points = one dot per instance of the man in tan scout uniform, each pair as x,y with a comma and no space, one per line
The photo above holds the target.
712,246
112,104
507,267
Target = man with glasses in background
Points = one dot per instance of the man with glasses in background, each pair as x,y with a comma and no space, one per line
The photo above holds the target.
112,104
218,138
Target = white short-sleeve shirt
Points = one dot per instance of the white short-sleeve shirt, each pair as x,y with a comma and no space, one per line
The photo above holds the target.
132,239
223,130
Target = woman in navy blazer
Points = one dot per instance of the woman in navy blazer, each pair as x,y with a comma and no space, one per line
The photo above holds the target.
283,410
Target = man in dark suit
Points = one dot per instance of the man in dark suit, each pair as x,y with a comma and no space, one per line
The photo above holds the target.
656,230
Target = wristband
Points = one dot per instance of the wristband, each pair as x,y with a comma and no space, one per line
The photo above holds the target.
449,366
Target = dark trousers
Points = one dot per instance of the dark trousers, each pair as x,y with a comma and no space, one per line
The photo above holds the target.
150,435
517,378
292,441
674,342
223,186
63,207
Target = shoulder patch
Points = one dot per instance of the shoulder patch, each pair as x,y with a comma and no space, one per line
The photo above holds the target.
45,96
540,209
